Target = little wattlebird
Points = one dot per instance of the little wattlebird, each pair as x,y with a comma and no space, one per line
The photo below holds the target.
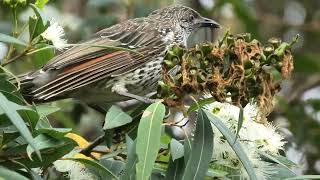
96,74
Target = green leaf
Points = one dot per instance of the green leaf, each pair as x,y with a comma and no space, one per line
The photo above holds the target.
40,15
148,139
202,149
304,177
200,104
116,167
34,175
281,173
274,159
18,122
36,27
40,3
8,174
187,149
6,86
103,171
284,160
9,39
116,118
234,144
49,155
240,122
176,149
42,55
54,132
44,142
45,110
175,169
15,107
130,172
8,133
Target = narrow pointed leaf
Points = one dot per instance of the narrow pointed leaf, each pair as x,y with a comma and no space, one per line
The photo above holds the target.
40,3
18,122
200,104
130,172
9,39
233,143
8,174
175,169
176,149
103,171
116,118
148,139
304,177
240,122
187,150
202,149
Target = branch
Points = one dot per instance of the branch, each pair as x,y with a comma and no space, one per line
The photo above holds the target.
86,151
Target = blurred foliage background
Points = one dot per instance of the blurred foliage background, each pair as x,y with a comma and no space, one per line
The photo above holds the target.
297,109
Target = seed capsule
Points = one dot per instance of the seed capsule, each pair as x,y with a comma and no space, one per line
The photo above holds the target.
268,50
168,64
177,50
244,36
230,40
275,42
248,64
163,89
206,49
193,72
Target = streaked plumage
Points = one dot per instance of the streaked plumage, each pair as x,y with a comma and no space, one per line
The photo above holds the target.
96,74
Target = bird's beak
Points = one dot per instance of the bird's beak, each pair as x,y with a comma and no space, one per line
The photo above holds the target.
206,22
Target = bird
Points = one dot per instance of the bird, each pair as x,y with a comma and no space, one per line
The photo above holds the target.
130,70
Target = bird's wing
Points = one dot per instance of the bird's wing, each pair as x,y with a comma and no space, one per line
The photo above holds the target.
83,65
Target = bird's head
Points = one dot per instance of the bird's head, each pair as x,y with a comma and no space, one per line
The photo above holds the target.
184,18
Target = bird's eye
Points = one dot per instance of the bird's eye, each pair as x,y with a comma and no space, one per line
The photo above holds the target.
191,17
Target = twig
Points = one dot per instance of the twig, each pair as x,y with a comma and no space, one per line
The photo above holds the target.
16,57
86,151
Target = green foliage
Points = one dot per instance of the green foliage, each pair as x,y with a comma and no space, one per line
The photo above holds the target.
28,140
148,139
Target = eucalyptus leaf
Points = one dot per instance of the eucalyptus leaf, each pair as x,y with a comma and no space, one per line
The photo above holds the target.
240,122
202,149
41,3
8,174
116,118
45,110
304,177
54,132
175,169
233,143
176,149
42,55
9,39
129,173
44,142
148,139
18,122
39,13
116,167
200,104
103,171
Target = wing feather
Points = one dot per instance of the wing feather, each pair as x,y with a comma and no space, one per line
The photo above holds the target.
83,65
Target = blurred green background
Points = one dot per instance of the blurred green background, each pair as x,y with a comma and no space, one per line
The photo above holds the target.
297,110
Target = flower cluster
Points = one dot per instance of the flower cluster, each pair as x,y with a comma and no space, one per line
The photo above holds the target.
253,137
